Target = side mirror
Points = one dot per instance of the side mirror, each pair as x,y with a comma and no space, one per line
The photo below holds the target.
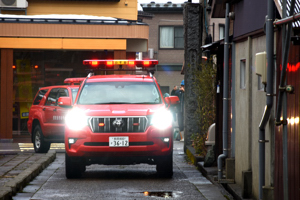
172,100
64,102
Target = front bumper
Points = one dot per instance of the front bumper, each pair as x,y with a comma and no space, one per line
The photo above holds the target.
143,146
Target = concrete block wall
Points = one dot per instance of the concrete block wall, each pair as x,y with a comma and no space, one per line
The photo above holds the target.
250,103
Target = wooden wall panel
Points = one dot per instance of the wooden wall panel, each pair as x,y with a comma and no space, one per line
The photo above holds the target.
52,43
119,55
74,30
6,106
95,8
293,114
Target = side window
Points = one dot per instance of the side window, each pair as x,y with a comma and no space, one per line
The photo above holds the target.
52,98
39,97
63,92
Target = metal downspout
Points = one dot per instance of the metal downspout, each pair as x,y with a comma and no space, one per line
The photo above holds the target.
282,97
233,102
269,98
225,96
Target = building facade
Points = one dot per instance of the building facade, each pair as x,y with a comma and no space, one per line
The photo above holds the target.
247,36
166,42
43,42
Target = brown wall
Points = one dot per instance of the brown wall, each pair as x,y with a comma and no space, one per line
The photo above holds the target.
95,8
164,56
6,106
73,30
293,100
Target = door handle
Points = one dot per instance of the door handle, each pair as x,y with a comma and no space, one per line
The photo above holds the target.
44,109
54,109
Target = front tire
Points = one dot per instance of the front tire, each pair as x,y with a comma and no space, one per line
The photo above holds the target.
40,146
164,166
73,169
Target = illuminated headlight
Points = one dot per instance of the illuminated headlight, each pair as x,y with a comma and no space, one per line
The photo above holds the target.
76,119
162,119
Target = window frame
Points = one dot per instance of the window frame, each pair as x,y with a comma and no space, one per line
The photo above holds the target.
160,48
243,74
48,100
223,26
37,100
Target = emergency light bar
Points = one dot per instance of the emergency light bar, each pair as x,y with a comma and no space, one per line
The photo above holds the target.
73,80
130,63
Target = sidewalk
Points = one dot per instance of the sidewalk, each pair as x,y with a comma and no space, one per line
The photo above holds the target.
18,168
211,173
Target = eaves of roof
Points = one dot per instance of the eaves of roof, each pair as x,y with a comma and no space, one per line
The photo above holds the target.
89,0
168,7
163,9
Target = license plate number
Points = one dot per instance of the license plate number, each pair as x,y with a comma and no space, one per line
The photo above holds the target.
118,141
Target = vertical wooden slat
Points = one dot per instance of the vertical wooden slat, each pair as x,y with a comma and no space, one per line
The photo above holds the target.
119,55
6,94
3,93
278,191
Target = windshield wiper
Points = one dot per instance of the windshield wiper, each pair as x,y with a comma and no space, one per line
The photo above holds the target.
115,103
146,103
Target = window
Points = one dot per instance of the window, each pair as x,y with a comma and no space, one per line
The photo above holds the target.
51,100
243,74
39,97
63,93
221,31
171,37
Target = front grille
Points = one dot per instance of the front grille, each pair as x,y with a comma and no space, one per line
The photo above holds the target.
118,125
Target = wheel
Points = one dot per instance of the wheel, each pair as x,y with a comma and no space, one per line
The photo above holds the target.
40,146
164,166
73,169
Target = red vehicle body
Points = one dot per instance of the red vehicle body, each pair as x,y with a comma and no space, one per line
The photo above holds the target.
46,117
120,118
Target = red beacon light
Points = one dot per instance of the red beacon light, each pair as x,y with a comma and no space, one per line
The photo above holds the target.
72,81
129,63
109,63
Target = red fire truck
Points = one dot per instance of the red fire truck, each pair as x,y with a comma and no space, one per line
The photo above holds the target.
119,120
46,118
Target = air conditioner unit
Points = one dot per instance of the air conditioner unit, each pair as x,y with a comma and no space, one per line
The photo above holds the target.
13,4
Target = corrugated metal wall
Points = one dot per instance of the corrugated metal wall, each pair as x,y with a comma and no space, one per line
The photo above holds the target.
293,78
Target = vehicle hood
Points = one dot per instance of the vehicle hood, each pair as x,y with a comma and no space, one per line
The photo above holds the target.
121,109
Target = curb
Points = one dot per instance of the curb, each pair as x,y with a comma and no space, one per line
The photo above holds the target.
191,153
208,172
19,182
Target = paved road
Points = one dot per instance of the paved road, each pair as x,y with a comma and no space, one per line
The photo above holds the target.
122,182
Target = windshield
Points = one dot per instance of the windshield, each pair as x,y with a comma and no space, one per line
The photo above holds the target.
119,93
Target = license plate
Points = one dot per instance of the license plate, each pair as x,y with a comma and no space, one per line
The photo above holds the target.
118,141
